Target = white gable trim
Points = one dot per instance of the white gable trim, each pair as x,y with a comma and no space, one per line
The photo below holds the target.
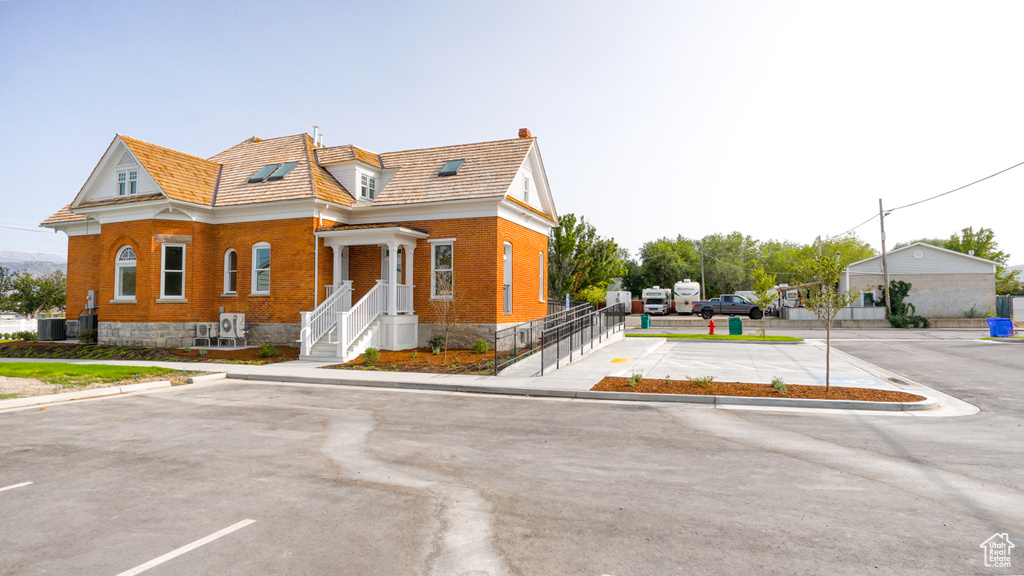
110,164
534,166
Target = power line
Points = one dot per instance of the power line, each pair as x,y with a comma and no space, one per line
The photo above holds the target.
957,189
25,229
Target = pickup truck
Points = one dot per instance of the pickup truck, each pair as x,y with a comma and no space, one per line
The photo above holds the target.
730,304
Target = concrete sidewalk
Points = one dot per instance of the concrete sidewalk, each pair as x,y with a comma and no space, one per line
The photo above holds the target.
800,363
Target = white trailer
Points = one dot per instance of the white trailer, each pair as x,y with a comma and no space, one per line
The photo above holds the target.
687,292
657,300
619,297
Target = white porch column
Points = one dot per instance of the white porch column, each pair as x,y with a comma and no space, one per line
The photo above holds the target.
393,279
409,278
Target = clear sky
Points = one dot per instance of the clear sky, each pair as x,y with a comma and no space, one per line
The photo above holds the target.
784,120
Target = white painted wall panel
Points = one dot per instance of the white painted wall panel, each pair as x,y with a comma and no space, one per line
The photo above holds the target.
931,261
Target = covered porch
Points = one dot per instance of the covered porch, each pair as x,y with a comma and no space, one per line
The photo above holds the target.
384,316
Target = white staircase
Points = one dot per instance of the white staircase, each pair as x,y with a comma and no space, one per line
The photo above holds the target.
337,332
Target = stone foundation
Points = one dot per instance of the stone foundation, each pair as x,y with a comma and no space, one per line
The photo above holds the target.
463,335
181,334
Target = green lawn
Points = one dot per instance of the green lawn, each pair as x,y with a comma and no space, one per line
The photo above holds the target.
750,337
1004,339
72,375
8,396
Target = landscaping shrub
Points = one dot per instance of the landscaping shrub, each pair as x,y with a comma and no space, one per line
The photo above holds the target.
481,346
702,381
88,336
779,384
634,379
267,350
371,356
436,342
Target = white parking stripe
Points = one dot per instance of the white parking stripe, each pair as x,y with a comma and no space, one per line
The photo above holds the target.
186,548
13,486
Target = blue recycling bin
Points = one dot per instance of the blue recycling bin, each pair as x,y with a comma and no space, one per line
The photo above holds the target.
1000,327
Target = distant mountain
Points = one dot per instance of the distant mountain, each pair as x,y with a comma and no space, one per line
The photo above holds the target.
1017,267
35,263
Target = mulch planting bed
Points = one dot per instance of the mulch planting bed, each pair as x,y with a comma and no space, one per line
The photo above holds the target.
65,351
424,360
661,386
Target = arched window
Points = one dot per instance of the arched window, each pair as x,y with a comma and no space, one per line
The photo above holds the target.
124,276
261,268
507,282
230,272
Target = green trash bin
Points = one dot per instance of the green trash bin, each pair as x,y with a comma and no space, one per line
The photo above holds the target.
735,326
645,321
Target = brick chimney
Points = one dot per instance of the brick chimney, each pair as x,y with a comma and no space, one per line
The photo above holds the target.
525,133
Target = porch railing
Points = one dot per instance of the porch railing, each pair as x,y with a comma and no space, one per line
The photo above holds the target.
321,320
404,303
353,322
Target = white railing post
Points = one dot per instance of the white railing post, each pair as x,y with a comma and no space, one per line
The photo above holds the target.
347,298
393,279
304,333
342,326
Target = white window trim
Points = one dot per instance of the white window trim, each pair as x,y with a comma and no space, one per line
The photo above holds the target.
433,269
227,271
540,275
270,267
507,270
526,189
130,183
163,271
117,275
371,185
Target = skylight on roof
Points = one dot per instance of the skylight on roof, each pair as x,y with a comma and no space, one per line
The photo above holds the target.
263,173
280,172
451,168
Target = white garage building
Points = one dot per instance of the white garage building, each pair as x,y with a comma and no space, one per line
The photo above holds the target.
944,283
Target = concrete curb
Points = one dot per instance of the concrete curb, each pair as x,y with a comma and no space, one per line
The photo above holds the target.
593,395
206,377
762,342
82,394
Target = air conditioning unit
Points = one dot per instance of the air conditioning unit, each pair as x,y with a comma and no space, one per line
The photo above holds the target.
232,325
207,329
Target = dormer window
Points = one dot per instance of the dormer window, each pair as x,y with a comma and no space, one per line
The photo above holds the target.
367,187
127,182
451,168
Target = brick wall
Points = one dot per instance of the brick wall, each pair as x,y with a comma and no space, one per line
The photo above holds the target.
91,266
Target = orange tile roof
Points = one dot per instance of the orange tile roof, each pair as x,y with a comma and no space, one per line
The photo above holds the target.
181,176
63,216
346,153
306,180
488,171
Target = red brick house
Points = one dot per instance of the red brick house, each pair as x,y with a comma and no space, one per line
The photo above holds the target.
338,248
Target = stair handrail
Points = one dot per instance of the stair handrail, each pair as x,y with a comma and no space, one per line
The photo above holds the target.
323,318
353,322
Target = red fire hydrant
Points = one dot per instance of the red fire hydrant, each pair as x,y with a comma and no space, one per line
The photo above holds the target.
711,327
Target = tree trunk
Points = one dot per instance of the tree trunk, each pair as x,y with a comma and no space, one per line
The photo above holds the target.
828,352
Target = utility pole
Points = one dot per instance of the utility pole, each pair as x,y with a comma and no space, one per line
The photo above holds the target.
885,265
701,246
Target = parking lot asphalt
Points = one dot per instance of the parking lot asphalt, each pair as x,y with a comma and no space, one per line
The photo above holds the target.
321,479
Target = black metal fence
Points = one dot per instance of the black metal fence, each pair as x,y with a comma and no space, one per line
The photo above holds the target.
517,342
556,306
571,337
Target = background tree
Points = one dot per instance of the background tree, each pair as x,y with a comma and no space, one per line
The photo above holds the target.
825,300
29,295
5,289
729,261
667,261
764,289
578,258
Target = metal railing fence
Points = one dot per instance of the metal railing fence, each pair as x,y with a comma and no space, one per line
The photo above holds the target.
568,338
517,342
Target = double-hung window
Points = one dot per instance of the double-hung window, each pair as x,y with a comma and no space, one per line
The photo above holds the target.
261,268
127,182
124,278
540,275
442,273
230,272
172,271
367,187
